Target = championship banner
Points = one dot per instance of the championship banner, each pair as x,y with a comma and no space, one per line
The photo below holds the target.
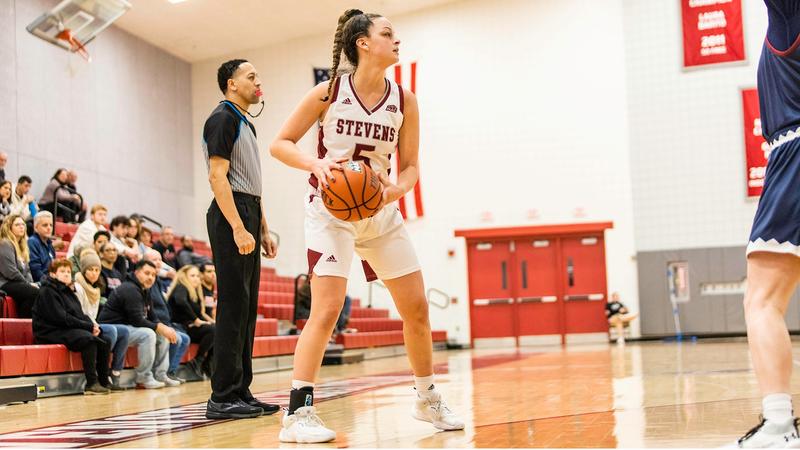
712,32
755,147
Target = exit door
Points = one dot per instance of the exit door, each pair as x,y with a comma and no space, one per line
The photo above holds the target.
538,284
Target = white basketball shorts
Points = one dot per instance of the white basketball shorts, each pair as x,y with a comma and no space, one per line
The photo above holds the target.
381,242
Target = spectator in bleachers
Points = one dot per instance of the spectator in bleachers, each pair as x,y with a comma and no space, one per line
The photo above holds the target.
208,277
5,199
86,231
344,317
158,296
58,192
145,239
185,298
112,277
3,162
15,274
72,180
89,289
165,247
134,227
130,305
119,236
77,268
99,239
40,245
22,202
303,309
75,260
132,237
58,319
186,255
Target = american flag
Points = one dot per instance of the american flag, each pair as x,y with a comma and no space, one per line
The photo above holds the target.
320,75
411,204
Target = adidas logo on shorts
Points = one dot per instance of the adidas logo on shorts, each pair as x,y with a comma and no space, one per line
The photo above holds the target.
331,259
347,101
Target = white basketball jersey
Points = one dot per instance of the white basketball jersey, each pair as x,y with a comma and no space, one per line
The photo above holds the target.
351,130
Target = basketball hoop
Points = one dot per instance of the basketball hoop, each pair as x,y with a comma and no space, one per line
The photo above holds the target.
73,24
74,44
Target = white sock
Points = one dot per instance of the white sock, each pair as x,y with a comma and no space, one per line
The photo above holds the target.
297,384
424,385
777,407
116,373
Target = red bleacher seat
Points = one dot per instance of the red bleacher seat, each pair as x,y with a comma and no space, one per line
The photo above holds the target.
16,332
65,230
380,338
274,345
12,360
60,360
275,298
280,312
358,313
266,327
368,324
9,309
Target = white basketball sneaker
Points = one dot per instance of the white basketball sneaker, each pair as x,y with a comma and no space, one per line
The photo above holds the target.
431,408
304,427
768,434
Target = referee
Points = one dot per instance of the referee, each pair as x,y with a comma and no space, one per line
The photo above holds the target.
237,230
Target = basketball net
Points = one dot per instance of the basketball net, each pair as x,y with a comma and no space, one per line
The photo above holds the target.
75,44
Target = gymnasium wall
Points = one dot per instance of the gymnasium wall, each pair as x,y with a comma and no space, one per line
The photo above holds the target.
688,168
686,132
546,142
715,310
122,121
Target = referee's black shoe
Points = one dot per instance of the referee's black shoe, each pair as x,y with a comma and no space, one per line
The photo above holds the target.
231,410
268,408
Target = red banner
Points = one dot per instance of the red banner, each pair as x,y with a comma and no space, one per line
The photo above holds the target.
712,32
755,147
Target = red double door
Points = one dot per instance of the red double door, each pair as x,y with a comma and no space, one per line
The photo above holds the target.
526,286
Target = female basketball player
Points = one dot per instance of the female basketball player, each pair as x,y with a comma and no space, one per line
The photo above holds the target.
773,266
362,116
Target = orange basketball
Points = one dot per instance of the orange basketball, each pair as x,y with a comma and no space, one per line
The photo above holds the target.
354,193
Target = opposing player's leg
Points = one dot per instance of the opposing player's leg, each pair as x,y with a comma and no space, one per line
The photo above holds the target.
771,281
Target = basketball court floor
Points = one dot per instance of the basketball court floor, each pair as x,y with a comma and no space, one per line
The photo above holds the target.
651,394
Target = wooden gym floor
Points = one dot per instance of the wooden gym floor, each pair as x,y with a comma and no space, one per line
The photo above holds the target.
640,395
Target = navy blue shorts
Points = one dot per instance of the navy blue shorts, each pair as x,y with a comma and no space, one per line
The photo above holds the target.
776,227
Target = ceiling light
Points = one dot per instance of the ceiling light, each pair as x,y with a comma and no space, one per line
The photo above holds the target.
176,1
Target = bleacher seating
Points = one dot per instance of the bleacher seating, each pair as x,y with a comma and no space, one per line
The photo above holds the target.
20,356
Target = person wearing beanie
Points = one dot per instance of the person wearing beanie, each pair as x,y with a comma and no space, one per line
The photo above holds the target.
88,289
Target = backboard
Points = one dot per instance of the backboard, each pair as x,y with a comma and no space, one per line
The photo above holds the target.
74,23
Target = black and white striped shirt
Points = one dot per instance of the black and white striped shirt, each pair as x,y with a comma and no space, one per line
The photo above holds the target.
228,134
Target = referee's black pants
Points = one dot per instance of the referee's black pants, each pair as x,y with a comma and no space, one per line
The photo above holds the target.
237,304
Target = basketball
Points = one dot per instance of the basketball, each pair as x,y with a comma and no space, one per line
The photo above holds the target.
354,193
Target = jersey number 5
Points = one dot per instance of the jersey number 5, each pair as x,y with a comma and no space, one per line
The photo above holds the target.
357,156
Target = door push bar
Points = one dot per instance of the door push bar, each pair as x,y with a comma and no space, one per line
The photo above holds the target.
585,297
492,301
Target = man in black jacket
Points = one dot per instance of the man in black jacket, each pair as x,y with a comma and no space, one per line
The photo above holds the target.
178,349
130,304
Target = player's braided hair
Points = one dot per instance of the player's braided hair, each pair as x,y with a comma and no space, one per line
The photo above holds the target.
353,24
